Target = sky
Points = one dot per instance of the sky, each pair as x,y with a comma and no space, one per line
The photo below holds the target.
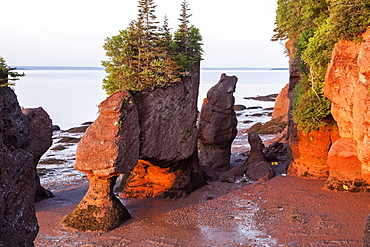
236,33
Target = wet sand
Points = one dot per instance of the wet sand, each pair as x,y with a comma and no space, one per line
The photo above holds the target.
284,211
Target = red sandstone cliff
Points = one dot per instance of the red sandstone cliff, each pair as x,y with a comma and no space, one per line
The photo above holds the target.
347,85
342,156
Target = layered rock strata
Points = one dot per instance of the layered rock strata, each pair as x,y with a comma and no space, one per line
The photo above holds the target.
217,124
18,223
109,147
347,86
40,140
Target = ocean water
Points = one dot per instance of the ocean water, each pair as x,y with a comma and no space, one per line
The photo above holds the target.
71,95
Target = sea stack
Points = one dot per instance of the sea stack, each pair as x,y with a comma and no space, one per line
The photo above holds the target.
109,147
217,125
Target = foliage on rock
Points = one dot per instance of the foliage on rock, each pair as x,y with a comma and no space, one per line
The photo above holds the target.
314,27
145,56
8,74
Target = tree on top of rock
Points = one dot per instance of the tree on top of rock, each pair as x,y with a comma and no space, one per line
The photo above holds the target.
7,73
188,41
144,56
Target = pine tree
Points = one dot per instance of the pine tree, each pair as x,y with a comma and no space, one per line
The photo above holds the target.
188,42
145,56
8,74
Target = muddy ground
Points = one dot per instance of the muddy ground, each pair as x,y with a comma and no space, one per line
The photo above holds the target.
284,211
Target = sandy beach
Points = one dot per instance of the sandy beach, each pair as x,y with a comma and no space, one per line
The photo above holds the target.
284,211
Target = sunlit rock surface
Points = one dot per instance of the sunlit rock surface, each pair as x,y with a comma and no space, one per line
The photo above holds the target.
281,107
347,86
147,180
109,147
309,153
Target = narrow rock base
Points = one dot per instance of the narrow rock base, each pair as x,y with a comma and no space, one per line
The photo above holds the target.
99,210
214,157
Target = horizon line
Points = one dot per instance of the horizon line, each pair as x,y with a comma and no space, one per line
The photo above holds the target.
68,67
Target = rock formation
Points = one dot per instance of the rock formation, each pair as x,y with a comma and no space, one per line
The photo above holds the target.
347,86
340,155
148,180
309,152
40,140
18,223
109,147
282,103
168,139
217,124
151,138
256,168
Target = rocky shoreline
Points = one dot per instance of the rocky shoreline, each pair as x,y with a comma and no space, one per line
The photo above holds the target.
56,165
230,211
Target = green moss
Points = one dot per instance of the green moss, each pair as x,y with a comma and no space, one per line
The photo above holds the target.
188,133
91,218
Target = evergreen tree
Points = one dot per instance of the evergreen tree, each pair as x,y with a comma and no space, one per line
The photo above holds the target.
122,67
188,42
8,74
145,56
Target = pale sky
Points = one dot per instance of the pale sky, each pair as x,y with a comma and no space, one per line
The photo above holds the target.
236,33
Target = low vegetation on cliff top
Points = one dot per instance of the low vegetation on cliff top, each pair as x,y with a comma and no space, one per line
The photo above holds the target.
313,27
145,56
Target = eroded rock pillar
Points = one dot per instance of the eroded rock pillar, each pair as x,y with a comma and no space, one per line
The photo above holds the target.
217,125
99,210
109,147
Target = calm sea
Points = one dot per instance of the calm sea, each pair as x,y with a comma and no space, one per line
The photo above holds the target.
71,95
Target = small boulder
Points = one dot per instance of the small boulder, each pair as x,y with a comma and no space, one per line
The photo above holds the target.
239,107
81,129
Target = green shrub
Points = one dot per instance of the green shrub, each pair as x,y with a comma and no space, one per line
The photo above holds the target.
311,111
314,26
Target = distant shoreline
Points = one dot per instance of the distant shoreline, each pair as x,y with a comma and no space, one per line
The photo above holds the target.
101,68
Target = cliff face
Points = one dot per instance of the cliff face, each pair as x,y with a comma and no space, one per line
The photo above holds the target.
307,152
18,223
347,86
342,156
